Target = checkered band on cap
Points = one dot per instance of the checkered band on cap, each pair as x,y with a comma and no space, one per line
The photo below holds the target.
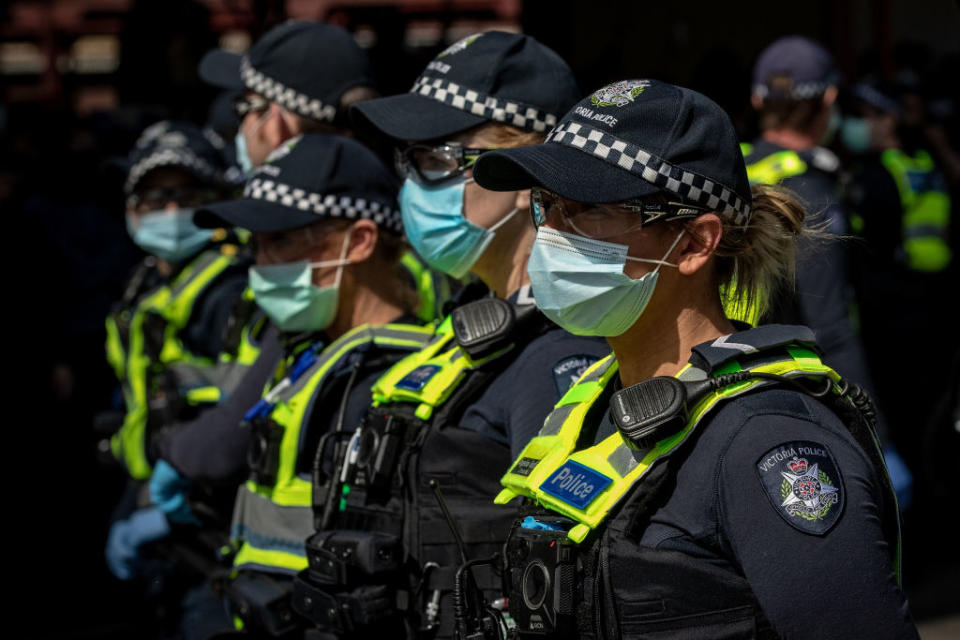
288,98
508,112
171,157
690,186
802,91
327,206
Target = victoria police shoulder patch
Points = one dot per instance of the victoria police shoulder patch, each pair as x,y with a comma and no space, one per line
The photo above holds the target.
804,485
569,370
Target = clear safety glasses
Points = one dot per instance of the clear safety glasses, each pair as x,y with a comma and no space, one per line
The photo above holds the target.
601,221
435,163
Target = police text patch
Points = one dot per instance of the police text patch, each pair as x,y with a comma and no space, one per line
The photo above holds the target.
569,370
418,378
803,484
575,484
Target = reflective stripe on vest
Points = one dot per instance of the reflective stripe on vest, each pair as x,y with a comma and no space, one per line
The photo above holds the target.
926,209
554,447
776,167
433,289
429,377
174,303
273,521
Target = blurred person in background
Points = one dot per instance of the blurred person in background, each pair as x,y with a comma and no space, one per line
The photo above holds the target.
795,89
906,263
164,337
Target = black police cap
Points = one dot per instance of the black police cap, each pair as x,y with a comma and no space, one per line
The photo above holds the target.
307,179
793,68
631,139
495,76
303,66
170,143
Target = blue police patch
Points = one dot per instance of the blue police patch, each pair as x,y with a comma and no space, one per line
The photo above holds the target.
418,378
575,484
569,370
803,484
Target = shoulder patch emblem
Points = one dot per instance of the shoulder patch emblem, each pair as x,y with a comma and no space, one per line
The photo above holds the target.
569,370
803,484
619,93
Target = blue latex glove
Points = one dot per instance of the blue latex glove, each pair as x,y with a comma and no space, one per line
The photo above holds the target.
900,477
168,492
127,536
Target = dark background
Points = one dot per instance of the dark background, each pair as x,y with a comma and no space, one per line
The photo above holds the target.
80,79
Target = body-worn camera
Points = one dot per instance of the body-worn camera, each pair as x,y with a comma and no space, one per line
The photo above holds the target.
263,454
543,567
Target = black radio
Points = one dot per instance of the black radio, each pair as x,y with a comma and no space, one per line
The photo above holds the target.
544,568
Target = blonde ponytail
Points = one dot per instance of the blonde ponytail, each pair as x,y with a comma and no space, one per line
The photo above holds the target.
756,261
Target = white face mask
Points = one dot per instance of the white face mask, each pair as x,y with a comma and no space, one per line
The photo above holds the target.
580,285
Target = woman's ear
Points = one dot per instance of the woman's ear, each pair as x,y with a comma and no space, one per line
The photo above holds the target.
522,202
701,237
363,240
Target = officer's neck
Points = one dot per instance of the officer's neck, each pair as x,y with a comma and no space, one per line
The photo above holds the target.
661,341
359,305
503,265
791,139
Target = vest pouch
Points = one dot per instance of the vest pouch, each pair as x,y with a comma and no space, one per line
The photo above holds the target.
368,611
263,455
264,604
345,558
154,335
165,405
543,570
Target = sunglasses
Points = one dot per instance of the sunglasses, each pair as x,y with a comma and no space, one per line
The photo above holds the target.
604,220
151,199
430,164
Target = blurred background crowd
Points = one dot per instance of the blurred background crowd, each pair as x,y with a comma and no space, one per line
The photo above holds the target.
82,78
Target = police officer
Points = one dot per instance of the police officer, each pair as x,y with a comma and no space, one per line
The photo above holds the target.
299,77
282,91
446,419
795,94
165,336
708,479
328,236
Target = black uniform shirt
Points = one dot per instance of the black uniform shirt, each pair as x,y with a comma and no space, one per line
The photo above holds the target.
827,577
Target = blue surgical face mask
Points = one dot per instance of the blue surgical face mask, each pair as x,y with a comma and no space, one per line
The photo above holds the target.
855,134
434,224
287,295
170,235
243,156
580,285
240,142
